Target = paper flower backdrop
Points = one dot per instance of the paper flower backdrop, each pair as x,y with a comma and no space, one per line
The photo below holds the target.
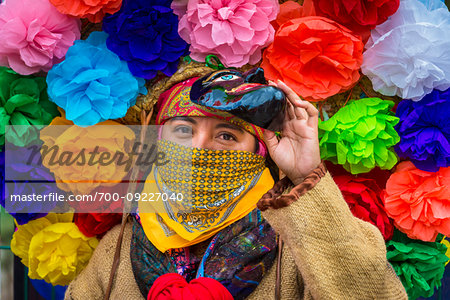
144,33
357,15
316,47
23,101
418,201
53,248
315,56
363,197
34,35
236,31
410,70
419,265
93,10
92,84
360,136
424,130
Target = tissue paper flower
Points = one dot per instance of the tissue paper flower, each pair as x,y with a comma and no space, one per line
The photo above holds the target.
433,4
92,84
363,197
35,35
292,10
315,56
410,70
23,101
360,136
92,224
424,131
419,265
234,30
144,33
26,176
74,144
53,248
419,201
179,7
357,15
93,10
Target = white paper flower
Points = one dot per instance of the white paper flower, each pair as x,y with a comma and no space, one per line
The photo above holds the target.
408,55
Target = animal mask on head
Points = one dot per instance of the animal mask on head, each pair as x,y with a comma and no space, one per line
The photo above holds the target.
244,95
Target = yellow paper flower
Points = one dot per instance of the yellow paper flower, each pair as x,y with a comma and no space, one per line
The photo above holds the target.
53,248
72,166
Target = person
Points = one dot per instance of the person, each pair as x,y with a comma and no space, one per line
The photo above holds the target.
298,240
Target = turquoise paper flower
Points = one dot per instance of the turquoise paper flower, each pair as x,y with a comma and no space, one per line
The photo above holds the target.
92,84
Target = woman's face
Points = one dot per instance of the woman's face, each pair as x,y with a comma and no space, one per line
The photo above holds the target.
208,133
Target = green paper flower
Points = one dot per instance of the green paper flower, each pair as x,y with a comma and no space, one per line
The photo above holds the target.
23,101
420,265
360,136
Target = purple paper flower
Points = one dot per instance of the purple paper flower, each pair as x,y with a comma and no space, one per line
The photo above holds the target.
23,179
145,34
424,129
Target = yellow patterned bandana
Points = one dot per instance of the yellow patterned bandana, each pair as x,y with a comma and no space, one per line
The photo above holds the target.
219,187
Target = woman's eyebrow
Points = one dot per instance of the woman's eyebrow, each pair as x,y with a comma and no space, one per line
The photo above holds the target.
186,119
229,126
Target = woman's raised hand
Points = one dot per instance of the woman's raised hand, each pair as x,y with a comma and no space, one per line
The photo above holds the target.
297,153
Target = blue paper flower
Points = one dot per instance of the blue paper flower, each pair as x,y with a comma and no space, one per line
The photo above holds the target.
145,34
424,131
25,179
92,84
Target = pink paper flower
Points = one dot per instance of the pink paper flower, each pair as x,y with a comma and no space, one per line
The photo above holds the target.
234,30
35,36
179,7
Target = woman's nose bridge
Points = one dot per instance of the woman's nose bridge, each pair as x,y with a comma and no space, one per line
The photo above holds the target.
203,139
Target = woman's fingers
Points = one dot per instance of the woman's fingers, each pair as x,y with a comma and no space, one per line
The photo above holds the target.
313,113
291,96
296,107
270,140
291,111
301,113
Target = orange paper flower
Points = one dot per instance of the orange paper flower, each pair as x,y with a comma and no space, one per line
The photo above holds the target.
68,152
93,10
315,56
419,201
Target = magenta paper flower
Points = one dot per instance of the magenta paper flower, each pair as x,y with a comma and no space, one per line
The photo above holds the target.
234,30
34,35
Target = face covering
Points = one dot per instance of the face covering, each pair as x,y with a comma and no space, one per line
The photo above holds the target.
218,187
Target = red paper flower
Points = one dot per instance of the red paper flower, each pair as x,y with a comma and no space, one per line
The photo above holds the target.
174,286
363,196
292,10
103,200
357,15
315,56
419,201
93,10
96,224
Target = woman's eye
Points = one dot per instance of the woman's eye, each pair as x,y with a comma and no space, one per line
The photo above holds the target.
227,137
185,130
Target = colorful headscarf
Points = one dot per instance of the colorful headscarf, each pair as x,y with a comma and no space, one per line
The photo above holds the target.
176,102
